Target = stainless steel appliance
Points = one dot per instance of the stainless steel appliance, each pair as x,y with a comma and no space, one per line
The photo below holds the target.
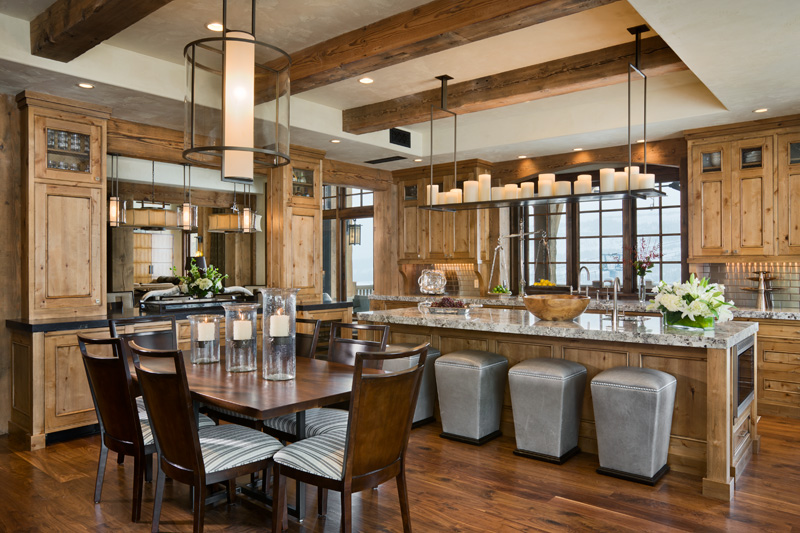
743,374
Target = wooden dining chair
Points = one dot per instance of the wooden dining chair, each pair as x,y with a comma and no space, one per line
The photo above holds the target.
370,451
120,428
343,349
306,343
198,458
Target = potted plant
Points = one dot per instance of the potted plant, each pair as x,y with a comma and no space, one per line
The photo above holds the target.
200,283
696,303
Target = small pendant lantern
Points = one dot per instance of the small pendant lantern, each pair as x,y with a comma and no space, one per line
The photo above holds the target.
116,207
187,213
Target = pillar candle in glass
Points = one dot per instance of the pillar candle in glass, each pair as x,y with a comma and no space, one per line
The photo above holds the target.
646,181
606,179
497,193
204,330
620,181
279,315
432,193
527,190
485,187
240,337
471,190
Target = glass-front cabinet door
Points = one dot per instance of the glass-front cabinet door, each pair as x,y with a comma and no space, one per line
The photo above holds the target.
68,151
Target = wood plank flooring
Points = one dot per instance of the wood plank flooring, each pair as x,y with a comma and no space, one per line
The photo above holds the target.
452,487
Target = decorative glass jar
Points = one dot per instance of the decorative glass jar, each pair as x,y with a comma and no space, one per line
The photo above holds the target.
205,338
675,320
240,337
278,330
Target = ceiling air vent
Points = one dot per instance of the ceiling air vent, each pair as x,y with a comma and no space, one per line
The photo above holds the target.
400,137
385,160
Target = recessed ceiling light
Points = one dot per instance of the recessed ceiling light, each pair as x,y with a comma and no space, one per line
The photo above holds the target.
418,160
84,85
522,157
214,26
760,110
577,149
366,81
335,141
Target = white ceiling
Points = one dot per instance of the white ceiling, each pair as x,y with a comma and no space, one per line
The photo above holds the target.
742,55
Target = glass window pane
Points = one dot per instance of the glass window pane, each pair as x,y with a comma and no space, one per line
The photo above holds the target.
589,206
612,223
611,271
589,224
589,250
612,249
330,275
671,272
366,198
594,274
611,204
673,195
647,221
671,220
361,274
712,161
558,250
671,248
560,274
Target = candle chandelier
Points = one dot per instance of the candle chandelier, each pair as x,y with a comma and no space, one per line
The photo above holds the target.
226,77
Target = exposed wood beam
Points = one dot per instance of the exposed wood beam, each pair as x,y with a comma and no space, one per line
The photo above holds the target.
129,190
341,173
68,28
591,70
423,30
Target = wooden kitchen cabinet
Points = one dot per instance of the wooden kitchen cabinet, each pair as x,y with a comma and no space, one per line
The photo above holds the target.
731,199
788,208
64,235
778,385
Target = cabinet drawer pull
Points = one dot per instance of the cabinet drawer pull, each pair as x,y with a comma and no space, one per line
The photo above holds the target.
726,251
743,434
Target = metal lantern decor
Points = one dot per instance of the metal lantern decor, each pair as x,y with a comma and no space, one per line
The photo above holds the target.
116,207
187,213
353,233
237,100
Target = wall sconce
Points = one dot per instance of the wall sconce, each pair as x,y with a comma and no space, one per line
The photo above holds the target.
353,234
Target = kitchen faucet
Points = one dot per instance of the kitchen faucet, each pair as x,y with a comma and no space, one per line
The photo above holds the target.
614,314
588,278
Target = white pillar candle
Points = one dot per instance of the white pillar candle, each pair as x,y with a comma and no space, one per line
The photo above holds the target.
620,181
279,326
510,192
563,188
441,198
471,189
206,331
485,186
497,193
647,181
583,187
546,188
242,330
606,179
454,196
632,170
527,190
432,192
551,177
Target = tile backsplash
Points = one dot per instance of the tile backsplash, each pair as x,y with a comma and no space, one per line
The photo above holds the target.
735,277
461,278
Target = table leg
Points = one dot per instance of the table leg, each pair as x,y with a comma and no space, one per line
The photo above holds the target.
300,488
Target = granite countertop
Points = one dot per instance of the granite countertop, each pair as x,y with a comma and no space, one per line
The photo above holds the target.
628,306
645,330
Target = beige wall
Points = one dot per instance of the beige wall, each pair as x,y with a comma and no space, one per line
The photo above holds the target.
10,201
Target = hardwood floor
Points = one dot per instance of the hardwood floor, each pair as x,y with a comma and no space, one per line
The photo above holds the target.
452,487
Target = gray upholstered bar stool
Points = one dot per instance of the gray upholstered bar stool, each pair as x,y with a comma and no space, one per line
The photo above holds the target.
546,398
427,387
633,418
471,384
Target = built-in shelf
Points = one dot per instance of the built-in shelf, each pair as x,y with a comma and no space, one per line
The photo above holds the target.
571,198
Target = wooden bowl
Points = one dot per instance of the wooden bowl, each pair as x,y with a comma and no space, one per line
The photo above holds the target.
556,306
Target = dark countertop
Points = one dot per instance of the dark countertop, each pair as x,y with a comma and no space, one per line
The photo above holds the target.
93,322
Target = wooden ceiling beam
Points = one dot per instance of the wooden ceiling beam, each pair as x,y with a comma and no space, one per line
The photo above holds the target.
591,70
423,30
68,28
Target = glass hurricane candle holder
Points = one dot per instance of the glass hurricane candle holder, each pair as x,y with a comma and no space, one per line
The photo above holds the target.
240,337
278,314
205,338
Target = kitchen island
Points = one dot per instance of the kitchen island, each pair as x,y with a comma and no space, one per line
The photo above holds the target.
711,435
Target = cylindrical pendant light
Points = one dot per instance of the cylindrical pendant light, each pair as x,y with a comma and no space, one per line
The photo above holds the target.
116,207
187,213
237,101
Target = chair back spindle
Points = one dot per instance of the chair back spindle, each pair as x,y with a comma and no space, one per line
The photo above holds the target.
344,349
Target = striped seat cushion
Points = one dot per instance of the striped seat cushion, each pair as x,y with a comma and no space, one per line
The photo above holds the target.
318,422
231,445
322,455
147,433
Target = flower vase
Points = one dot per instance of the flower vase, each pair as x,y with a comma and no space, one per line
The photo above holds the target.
642,289
675,320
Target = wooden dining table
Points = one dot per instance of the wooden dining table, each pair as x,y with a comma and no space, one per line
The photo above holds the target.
317,383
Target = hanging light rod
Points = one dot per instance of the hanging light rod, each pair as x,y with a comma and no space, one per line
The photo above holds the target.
223,129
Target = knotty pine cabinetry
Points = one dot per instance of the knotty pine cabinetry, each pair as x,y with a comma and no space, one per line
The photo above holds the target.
778,352
436,236
64,191
744,181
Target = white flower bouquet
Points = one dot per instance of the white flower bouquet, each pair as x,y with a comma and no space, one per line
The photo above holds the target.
200,282
693,304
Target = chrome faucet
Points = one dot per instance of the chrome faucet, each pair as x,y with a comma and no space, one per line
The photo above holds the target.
614,314
588,278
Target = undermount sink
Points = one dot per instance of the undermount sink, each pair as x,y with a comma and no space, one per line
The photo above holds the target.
556,307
